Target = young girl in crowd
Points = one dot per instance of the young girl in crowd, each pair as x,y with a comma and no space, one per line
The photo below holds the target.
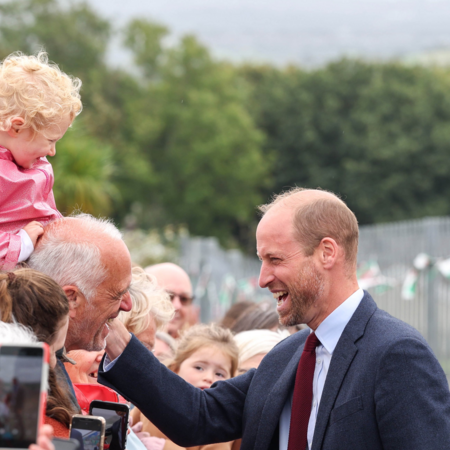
38,103
33,299
205,354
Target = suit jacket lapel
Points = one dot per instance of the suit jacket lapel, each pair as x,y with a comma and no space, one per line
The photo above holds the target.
342,357
275,401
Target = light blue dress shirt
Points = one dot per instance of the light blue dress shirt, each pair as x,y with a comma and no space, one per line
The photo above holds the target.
329,333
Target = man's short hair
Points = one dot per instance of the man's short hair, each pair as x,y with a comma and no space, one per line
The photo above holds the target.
70,260
324,216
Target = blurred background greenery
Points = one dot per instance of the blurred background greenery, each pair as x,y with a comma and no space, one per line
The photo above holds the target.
182,138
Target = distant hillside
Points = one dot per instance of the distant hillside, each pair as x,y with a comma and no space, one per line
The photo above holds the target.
299,31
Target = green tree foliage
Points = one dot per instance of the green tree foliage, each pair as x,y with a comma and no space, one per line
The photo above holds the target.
202,143
377,134
75,37
83,167
182,138
183,145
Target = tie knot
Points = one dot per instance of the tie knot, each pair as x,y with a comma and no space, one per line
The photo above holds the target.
311,342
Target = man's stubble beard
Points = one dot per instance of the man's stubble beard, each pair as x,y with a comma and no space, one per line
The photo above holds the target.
304,292
79,331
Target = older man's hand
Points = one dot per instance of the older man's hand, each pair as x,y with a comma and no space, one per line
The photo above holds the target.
117,339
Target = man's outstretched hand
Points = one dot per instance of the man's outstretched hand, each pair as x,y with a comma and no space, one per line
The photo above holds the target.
118,338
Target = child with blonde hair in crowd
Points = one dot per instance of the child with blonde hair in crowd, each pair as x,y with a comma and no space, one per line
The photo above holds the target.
38,103
205,354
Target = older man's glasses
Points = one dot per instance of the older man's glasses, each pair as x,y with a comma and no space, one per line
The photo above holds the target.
185,300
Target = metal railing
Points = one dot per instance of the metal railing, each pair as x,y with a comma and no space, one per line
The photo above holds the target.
394,247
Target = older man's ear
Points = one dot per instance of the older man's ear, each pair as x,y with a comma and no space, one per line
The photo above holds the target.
76,299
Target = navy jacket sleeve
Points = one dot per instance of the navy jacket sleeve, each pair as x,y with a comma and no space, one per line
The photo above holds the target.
412,398
187,415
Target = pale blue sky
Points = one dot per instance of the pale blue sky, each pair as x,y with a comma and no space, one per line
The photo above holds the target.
301,31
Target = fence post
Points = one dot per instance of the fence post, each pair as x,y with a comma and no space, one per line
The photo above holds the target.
431,230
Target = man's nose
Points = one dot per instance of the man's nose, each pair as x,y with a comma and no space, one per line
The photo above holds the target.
176,302
126,304
265,275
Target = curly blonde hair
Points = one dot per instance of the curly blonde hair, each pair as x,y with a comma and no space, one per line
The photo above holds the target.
148,299
37,91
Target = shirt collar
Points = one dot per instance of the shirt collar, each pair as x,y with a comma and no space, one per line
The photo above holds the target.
330,330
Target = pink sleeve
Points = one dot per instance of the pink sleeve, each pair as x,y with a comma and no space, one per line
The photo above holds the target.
25,195
9,250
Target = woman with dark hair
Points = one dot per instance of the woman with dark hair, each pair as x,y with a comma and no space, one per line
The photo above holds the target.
36,301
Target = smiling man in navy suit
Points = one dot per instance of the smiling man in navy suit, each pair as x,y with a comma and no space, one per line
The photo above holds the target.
370,381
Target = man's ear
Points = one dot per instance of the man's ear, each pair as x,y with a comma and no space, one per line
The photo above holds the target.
328,252
76,299
16,126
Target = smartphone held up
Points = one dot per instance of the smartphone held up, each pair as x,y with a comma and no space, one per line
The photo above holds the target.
89,431
116,422
23,393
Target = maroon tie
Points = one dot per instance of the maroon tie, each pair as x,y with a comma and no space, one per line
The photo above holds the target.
303,394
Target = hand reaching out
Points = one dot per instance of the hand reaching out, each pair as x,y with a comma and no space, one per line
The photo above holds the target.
150,442
34,230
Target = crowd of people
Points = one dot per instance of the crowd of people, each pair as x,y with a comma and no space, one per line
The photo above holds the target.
200,354
353,378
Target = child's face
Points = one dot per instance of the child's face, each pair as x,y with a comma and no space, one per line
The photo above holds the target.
27,147
86,368
206,366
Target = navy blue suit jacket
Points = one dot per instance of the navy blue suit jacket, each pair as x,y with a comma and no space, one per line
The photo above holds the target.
384,390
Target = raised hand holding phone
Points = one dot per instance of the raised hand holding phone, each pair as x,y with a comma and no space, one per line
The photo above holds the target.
23,393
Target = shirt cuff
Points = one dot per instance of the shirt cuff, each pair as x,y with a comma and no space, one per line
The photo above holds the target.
26,247
108,364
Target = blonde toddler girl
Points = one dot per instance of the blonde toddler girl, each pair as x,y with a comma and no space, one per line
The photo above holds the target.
205,354
38,103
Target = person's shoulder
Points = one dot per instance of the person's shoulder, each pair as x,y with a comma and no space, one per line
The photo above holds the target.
390,329
291,343
59,429
375,327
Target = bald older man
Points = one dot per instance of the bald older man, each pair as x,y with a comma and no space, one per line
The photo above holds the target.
175,281
358,380
89,260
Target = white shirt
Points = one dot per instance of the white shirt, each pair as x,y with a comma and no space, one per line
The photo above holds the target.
329,332
26,247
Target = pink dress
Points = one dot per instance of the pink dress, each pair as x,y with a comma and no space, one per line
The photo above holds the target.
25,195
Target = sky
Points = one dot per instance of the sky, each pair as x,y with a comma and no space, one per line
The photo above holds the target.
306,32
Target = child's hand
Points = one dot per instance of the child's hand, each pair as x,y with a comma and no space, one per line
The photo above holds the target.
34,230
150,442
